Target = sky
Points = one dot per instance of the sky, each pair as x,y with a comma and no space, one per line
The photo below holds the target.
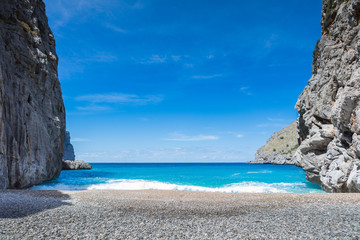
181,81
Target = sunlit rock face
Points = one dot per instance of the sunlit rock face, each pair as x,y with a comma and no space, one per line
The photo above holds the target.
329,107
32,114
279,148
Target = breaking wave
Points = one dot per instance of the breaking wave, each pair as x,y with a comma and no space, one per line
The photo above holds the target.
127,184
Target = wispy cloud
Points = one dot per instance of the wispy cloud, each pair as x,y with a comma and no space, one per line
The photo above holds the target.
115,28
235,134
93,108
245,90
153,59
164,58
275,119
99,57
85,10
271,40
176,58
206,76
143,119
177,154
79,140
263,125
120,98
189,65
274,122
179,137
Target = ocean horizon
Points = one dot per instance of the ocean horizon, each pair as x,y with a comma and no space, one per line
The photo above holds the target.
204,177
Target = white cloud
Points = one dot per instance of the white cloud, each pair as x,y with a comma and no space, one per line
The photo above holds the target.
179,137
121,98
206,76
239,135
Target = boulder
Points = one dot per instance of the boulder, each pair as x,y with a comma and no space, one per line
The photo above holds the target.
75,165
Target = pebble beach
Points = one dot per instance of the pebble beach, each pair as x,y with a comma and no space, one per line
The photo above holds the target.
155,214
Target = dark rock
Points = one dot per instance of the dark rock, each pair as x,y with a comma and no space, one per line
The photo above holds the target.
32,113
75,165
69,153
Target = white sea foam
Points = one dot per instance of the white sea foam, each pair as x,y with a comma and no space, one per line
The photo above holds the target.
128,184
264,171
244,187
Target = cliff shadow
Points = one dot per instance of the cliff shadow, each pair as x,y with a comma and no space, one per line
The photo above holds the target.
22,203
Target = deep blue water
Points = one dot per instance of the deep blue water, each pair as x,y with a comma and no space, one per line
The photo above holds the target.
212,177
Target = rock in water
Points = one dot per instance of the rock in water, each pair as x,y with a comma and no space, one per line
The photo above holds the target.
32,113
329,107
75,165
280,147
69,153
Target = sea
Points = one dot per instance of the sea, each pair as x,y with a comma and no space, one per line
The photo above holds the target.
206,177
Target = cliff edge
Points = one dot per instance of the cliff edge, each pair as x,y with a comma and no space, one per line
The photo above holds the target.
32,113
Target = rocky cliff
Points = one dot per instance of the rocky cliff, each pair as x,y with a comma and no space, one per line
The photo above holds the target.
280,148
329,107
69,153
32,114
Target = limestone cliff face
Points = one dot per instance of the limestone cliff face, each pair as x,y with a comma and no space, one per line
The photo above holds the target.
329,107
69,153
32,114
280,147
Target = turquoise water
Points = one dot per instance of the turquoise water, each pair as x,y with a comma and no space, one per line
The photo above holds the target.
211,177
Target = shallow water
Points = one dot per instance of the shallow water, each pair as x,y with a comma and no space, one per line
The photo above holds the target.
210,177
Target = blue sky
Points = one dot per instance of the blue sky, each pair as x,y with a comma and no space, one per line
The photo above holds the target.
181,81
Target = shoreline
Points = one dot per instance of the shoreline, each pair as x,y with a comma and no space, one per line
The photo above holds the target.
166,214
